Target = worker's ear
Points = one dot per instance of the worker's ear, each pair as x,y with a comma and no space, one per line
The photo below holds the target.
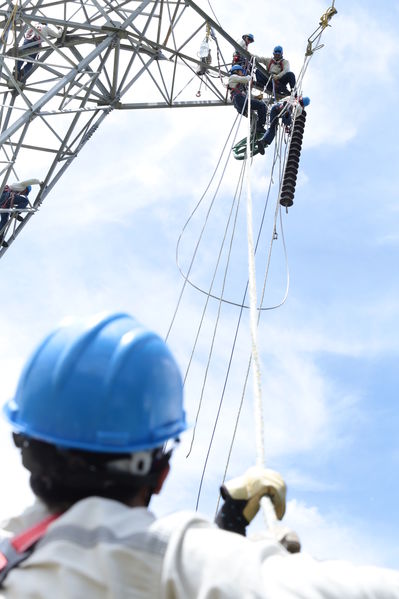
162,476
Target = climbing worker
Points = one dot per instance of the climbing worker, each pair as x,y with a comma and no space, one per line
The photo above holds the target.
287,109
14,196
278,73
244,42
238,86
34,36
246,39
95,410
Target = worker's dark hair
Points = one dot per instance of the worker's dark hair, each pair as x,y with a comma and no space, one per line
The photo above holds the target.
61,477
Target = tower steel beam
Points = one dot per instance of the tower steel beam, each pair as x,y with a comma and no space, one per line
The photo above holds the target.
111,55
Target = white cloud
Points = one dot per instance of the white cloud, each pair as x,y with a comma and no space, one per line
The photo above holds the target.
328,536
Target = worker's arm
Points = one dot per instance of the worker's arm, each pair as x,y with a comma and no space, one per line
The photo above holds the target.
21,185
236,79
48,31
263,60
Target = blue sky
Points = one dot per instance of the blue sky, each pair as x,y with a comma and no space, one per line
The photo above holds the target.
105,240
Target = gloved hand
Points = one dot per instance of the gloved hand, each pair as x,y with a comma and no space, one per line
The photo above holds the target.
242,497
276,77
285,536
289,539
248,78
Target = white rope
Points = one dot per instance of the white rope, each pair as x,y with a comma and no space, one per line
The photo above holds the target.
253,311
254,363
266,504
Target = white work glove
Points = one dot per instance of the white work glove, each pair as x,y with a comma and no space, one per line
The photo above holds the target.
242,497
276,77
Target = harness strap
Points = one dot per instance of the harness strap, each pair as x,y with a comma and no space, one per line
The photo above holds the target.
277,62
6,197
15,550
32,36
240,88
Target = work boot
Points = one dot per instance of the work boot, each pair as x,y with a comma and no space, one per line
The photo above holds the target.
11,83
261,147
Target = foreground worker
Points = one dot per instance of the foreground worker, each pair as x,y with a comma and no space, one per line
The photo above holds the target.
93,410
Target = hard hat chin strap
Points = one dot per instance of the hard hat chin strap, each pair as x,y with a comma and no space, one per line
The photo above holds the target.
138,463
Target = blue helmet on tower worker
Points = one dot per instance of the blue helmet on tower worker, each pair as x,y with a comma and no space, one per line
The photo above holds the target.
278,74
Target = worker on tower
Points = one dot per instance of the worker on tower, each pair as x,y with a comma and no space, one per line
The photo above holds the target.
278,73
247,38
286,110
244,42
33,40
238,86
94,413
14,196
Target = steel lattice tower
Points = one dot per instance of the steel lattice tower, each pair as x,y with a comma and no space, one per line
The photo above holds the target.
105,49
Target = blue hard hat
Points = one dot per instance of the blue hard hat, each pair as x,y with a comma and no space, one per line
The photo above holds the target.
107,385
278,50
237,67
305,101
29,188
250,35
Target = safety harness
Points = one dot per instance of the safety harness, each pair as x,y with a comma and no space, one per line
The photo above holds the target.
240,88
279,63
16,549
31,35
7,197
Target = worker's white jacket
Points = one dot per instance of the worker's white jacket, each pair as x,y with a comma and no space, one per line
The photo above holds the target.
103,549
278,69
293,105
